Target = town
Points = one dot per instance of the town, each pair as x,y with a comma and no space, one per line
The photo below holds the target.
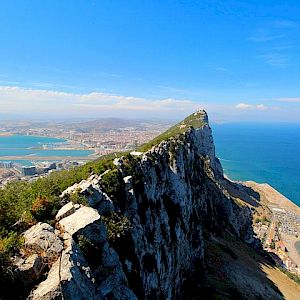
278,235
101,137
10,171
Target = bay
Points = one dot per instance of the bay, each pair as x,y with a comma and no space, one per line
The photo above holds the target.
24,145
265,153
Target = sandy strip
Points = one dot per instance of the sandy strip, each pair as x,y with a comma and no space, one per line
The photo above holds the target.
290,245
5,134
272,197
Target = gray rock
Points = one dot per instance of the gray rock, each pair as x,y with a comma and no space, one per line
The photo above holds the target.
78,220
30,269
41,239
67,210
69,278
90,188
128,182
75,274
95,233
50,289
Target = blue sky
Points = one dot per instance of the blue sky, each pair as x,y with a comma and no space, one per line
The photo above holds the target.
240,60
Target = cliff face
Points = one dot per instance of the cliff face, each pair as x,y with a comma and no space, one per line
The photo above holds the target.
178,202
146,236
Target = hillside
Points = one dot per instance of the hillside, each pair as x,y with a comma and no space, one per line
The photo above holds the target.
154,224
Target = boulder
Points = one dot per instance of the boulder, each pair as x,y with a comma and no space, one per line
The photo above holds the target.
69,278
50,288
91,189
81,218
30,269
41,239
67,210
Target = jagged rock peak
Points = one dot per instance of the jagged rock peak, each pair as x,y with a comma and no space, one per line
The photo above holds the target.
196,120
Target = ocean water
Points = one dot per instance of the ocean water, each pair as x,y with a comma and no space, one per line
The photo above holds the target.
265,153
20,145
261,152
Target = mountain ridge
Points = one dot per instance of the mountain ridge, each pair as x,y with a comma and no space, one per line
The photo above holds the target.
153,225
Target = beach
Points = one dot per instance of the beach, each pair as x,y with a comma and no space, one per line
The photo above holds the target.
5,134
275,201
272,197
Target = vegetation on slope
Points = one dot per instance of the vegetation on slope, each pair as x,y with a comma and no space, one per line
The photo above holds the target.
23,203
195,120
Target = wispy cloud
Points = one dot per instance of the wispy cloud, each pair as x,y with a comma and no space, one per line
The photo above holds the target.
289,100
277,40
276,59
265,37
222,69
283,24
43,101
247,106
39,84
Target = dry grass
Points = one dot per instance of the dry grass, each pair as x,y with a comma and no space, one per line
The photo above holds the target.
234,265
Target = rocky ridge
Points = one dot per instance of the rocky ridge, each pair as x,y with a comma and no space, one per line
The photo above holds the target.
146,237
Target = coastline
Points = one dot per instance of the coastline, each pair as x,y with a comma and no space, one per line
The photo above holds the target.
268,193
272,197
274,200
59,144
4,134
275,203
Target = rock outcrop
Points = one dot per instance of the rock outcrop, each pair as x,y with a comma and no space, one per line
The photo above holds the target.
172,197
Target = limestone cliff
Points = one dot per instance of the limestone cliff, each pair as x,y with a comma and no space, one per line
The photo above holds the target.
156,227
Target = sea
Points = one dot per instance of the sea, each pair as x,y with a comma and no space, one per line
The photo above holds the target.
26,145
265,153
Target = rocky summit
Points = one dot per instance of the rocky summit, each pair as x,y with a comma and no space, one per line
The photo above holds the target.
159,223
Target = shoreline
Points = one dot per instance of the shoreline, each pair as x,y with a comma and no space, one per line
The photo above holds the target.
274,200
73,146
272,197
4,134
43,158
268,187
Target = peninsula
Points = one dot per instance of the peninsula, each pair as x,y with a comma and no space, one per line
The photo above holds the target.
161,222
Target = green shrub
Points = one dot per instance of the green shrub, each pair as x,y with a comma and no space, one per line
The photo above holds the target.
40,208
45,208
110,182
11,288
9,246
265,220
78,198
289,274
40,198
116,225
